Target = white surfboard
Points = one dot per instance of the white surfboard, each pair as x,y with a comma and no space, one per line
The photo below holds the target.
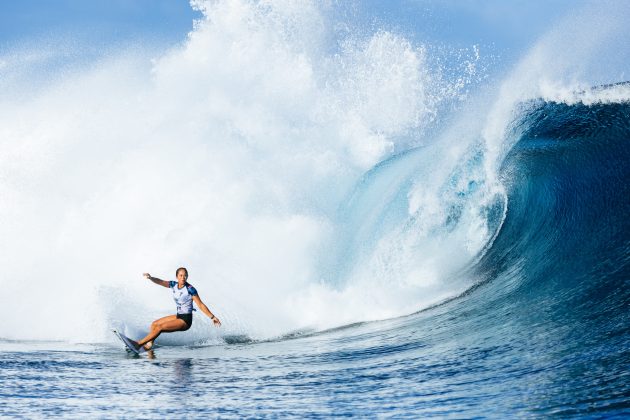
129,343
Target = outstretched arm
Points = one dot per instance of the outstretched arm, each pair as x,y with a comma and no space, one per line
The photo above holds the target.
205,310
156,280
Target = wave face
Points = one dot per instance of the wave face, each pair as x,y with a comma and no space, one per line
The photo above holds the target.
565,228
554,284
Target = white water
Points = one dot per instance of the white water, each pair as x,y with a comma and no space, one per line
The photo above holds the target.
587,48
231,154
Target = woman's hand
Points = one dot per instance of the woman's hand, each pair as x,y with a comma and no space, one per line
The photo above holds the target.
205,310
156,280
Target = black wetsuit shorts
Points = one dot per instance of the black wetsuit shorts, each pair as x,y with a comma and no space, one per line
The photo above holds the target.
187,319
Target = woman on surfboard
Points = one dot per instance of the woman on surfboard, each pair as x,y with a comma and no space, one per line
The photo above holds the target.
184,295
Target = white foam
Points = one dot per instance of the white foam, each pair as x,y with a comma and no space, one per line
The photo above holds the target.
228,154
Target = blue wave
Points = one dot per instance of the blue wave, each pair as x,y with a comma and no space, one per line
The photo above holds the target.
566,226
554,286
546,328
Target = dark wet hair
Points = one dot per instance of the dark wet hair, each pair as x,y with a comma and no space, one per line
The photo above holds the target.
181,268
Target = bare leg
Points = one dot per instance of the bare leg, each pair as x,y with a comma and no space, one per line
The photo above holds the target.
168,323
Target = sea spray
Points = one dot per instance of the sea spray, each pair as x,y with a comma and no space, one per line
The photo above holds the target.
230,154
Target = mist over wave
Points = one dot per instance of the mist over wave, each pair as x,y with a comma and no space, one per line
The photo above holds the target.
229,154
308,176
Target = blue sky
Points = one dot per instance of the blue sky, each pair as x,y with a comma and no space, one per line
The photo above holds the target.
107,21
502,24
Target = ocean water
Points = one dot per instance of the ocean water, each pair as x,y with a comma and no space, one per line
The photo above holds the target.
386,227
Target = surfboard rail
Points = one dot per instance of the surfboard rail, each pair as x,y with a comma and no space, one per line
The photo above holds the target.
129,343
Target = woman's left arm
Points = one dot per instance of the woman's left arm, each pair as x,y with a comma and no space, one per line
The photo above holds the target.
205,310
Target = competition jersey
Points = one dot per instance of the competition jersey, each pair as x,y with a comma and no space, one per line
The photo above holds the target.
183,297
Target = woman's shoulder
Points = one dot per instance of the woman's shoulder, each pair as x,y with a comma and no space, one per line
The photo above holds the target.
191,289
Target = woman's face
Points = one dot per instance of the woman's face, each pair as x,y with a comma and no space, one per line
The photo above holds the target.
181,276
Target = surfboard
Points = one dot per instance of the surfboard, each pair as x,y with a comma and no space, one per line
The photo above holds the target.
129,343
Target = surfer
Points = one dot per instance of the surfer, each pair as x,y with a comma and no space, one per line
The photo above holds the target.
184,295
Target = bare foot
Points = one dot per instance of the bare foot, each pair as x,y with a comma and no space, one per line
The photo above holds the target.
148,346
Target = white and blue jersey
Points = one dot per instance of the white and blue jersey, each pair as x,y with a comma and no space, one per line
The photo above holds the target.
183,297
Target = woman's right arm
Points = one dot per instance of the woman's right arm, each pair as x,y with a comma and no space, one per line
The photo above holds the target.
156,280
